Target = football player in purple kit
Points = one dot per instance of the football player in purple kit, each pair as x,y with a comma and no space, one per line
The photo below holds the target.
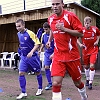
29,44
48,53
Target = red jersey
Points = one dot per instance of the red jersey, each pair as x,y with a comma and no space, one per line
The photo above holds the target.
65,44
90,37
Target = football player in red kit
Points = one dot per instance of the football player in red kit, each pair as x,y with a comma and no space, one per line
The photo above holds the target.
65,27
90,49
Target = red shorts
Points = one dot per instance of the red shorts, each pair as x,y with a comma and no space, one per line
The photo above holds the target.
73,67
90,59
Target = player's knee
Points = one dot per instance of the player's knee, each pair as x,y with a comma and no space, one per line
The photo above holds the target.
47,67
79,85
56,80
38,73
55,83
86,67
21,73
92,66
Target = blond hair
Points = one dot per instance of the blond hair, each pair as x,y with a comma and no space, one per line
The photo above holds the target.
87,18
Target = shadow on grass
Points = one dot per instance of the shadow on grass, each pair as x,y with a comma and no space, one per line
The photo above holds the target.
34,98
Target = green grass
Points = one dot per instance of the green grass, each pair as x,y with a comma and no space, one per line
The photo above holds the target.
34,98
28,98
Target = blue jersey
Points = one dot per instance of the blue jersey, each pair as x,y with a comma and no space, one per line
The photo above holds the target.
44,40
48,52
39,32
27,40
19,51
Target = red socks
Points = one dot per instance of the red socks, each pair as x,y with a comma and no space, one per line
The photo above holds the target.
56,88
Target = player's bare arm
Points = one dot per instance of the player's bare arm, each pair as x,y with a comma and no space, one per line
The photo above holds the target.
33,50
49,40
51,56
59,26
41,48
79,43
97,41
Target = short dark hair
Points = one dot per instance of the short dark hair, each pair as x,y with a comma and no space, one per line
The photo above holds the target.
46,25
20,20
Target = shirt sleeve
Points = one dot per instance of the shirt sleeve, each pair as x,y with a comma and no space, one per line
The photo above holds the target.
33,37
75,23
97,32
42,38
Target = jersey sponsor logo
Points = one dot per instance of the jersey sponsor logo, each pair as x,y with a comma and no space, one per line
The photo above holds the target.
89,38
54,32
89,32
61,32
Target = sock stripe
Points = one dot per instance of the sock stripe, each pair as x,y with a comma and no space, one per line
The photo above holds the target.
92,69
56,88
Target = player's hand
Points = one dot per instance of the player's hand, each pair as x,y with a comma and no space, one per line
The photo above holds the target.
30,54
51,56
99,48
96,43
39,52
48,44
60,26
82,46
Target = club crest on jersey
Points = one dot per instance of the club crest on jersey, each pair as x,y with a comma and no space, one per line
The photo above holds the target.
25,38
62,23
92,34
58,21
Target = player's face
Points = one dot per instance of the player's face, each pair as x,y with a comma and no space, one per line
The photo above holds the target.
57,7
20,27
87,24
47,30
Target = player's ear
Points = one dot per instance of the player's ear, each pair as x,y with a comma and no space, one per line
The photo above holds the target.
63,5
